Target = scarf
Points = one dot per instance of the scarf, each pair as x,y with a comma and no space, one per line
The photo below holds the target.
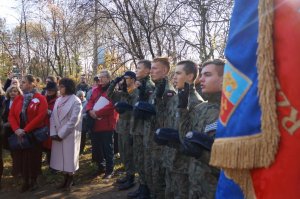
27,97
61,103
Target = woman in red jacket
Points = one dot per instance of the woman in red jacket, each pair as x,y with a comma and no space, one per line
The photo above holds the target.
28,113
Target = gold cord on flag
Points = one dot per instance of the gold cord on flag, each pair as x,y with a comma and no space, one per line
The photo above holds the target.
237,156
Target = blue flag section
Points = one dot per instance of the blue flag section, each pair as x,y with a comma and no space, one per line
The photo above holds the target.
227,188
240,111
257,141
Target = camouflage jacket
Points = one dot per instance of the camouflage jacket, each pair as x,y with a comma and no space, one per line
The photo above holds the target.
123,124
136,125
203,115
181,162
164,109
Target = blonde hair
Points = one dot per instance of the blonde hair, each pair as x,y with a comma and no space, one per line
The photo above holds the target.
163,60
12,87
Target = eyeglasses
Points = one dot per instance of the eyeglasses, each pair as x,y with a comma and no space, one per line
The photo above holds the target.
102,77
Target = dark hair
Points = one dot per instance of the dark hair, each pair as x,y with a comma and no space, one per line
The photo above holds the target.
52,78
30,78
69,84
189,67
38,80
163,60
58,78
146,63
218,63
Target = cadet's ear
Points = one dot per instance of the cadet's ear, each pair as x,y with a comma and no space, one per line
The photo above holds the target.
190,78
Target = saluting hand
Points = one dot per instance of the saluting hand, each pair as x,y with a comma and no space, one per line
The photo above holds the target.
183,96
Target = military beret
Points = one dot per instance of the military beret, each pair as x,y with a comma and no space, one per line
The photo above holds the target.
201,139
130,74
143,110
164,135
122,107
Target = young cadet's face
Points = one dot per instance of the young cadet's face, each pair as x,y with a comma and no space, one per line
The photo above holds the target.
158,71
141,71
210,80
180,77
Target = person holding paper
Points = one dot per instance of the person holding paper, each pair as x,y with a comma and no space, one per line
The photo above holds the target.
101,109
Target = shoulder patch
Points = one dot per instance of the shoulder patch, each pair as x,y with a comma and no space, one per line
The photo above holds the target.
211,127
170,93
189,135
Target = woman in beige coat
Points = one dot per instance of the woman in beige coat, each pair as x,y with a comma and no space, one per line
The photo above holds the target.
65,132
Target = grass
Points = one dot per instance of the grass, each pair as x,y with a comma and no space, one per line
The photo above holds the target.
85,184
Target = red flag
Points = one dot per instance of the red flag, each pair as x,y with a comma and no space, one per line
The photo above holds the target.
282,178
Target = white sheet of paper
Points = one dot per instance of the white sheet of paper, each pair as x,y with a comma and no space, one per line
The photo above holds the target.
102,101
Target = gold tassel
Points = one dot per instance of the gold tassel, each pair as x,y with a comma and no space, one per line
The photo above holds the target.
237,156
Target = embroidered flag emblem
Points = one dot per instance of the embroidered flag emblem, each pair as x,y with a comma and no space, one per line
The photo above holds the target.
235,86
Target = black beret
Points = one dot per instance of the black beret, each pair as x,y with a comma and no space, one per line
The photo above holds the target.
122,107
201,139
130,74
143,110
164,135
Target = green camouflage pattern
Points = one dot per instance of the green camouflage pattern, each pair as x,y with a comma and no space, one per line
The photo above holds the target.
180,167
164,108
137,132
202,177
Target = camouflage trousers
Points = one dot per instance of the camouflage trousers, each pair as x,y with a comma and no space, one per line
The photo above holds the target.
180,185
169,194
158,175
138,156
126,152
203,180
148,168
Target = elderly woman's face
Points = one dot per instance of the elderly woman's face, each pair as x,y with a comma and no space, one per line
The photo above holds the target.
103,79
62,90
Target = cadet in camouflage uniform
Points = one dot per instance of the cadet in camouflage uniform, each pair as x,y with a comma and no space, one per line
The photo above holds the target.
188,99
162,98
202,177
145,89
126,94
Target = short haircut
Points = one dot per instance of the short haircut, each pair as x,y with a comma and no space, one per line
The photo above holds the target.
80,94
163,60
30,78
69,84
145,63
106,72
52,78
218,63
12,87
189,67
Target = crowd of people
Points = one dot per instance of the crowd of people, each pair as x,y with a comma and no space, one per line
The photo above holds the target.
165,128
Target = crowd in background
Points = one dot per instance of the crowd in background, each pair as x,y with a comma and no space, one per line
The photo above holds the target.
162,128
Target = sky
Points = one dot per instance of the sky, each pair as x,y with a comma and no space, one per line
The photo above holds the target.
8,10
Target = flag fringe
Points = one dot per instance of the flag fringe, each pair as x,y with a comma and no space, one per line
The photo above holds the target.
243,178
237,155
